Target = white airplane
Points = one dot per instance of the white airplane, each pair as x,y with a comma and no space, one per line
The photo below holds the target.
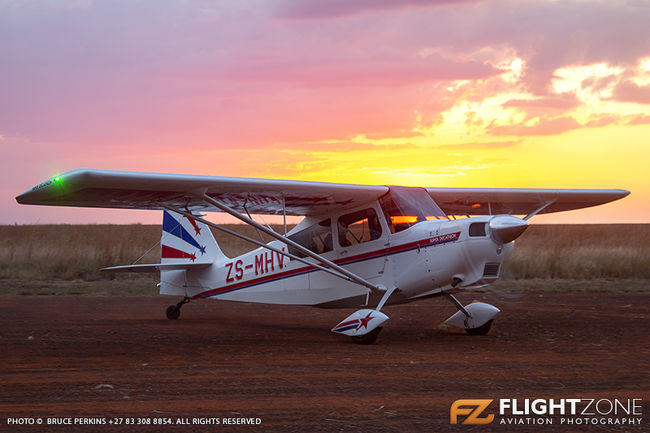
358,246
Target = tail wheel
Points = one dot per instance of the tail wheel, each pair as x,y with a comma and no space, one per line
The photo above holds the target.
481,330
368,338
173,312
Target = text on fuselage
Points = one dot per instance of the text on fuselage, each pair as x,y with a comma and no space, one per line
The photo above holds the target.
262,263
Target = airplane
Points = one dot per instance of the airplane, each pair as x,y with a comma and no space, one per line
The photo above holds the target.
357,246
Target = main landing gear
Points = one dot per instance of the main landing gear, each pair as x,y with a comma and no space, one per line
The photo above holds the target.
365,325
475,318
173,312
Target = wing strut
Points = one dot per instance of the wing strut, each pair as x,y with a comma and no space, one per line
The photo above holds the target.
539,209
326,263
258,243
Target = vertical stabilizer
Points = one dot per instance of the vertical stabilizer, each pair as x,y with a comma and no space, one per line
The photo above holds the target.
185,240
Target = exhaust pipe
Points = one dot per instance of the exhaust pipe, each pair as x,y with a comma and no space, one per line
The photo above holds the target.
506,228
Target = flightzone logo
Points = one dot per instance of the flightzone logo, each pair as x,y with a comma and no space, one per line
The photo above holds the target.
542,411
471,410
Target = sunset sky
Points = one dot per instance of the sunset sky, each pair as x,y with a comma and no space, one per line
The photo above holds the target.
547,94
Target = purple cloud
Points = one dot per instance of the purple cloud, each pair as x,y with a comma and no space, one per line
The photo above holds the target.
598,84
628,91
363,72
550,35
544,106
603,120
308,9
233,74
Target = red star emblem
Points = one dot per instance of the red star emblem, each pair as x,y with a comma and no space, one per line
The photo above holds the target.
364,321
197,229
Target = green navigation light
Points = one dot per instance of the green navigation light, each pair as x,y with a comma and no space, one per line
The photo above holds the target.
57,179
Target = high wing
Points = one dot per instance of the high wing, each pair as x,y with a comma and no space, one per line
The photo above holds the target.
493,201
134,190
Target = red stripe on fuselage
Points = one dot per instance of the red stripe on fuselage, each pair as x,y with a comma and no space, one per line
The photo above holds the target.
366,256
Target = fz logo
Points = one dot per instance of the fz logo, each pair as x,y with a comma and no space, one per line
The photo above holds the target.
471,408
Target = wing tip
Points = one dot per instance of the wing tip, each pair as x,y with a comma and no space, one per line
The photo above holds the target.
616,194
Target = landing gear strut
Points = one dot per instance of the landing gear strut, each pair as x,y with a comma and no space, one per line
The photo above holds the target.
173,312
475,318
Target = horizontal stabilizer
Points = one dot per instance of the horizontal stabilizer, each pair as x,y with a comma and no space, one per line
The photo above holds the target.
156,267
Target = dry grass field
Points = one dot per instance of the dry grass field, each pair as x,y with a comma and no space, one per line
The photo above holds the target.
69,252
582,252
67,258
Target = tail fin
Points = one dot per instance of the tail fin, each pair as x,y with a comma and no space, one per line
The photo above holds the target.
185,240
188,253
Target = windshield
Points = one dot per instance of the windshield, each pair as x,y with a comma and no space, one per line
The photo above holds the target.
404,207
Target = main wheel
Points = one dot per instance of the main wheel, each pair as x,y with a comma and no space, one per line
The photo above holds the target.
481,330
173,312
368,338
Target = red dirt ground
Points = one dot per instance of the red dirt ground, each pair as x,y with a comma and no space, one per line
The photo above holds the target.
119,357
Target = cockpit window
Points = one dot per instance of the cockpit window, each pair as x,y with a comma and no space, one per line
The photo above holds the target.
317,238
404,207
358,227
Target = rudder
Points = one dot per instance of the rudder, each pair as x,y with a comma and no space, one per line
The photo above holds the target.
186,240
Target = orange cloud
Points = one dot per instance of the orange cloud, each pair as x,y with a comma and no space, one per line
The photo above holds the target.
641,119
543,126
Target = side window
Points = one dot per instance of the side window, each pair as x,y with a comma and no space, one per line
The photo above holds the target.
477,229
317,238
359,227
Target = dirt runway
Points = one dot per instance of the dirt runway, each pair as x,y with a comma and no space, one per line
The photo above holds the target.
112,357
